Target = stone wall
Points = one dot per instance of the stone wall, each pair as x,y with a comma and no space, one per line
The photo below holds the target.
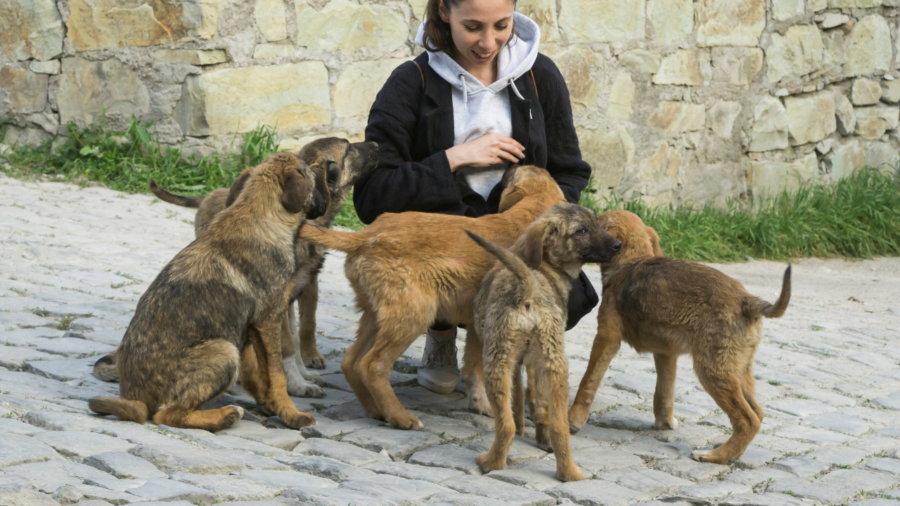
682,101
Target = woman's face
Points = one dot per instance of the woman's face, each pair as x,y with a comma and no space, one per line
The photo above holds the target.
480,28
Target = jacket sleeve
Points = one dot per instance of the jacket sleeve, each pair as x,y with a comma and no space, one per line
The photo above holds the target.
564,160
398,183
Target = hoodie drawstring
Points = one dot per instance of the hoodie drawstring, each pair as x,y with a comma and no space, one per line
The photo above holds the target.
512,84
462,77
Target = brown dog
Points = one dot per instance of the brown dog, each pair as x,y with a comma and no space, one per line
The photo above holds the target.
410,269
217,308
520,316
669,308
336,164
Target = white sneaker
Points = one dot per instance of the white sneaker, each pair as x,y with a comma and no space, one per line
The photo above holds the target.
439,371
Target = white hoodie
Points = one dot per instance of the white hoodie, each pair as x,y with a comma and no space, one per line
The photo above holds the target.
480,109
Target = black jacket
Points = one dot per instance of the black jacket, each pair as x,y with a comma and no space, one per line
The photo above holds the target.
413,126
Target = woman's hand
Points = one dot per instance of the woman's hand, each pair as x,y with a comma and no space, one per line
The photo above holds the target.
490,149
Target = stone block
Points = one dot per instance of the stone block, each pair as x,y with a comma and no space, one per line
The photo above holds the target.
715,490
687,67
542,12
327,468
865,92
621,97
22,91
394,488
608,153
494,489
837,486
16,449
890,91
854,4
449,456
414,472
398,444
520,450
833,19
342,451
31,29
170,459
21,495
736,65
88,88
839,422
845,115
346,26
672,20
881,155
800,466
45,67
845,159
869,49
783,10
771,178
123,465
578,66
107,24
814,436
730,22
79,445
770,127
872,122
677,117
811,118
602,20
800,51
270,19
643,480
721,117
640,60
597,493
355,90
264,51
191,56
287,97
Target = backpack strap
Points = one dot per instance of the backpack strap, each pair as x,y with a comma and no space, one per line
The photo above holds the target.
423,75
530,71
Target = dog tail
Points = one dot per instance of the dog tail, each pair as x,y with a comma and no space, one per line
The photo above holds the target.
333,239
179,200
755,307
105,369
124,409
512,262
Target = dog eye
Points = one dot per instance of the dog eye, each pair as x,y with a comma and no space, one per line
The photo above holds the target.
581,231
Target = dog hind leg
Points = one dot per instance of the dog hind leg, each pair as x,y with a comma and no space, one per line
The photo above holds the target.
606,345
308,302
472,373
365,336
518,400
664,397
208,369
566,469
499,371
727,390
297,382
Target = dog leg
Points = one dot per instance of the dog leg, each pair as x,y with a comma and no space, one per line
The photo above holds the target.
664,398
499,374
365,336
518,400
308,302
276,400
297,382
566,469
749,388
726,389
606,345
209,369
473,374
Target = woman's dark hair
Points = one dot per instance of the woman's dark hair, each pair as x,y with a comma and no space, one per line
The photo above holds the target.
437,31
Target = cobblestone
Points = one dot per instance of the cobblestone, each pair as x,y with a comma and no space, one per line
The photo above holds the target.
828,379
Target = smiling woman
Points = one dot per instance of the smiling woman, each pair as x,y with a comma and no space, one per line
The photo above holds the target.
481,97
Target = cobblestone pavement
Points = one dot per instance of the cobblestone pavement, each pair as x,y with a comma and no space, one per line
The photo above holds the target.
73,263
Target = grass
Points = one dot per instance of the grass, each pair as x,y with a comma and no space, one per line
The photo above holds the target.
858,217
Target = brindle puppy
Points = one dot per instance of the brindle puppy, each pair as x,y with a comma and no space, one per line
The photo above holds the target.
217,308
520,316
670,307
337,164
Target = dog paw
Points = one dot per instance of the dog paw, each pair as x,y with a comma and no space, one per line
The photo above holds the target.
706,456
316,362
307,390
577,420
479,404
573,473
406,422
297,420
488,464
233,414
315,378
667,424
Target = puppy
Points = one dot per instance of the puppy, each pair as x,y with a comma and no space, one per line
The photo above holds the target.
217,308
410,269
337,164
669,308
520,316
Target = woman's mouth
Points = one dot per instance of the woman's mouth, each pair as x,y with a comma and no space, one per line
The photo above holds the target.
483,57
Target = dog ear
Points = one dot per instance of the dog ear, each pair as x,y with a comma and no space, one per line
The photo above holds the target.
294,190
322,197
534,244
237,187
510,199
654,242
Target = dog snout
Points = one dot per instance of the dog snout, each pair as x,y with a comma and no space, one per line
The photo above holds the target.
606,247
617,245
368,151
319,208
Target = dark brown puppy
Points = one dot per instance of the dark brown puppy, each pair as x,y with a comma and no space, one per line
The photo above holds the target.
217,308
337,164
669,308
410,269
520,317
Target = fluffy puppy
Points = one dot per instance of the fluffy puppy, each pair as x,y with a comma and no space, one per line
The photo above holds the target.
520,316
217,308
670,307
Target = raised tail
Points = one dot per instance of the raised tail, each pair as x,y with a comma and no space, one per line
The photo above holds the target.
105,369
333,239
179,200
124,409
509,259
755,307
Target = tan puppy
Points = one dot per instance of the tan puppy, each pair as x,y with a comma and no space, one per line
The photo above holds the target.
669,308
336,164
217,308
410,269
520,315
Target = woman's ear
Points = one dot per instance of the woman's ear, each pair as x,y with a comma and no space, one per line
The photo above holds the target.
445,15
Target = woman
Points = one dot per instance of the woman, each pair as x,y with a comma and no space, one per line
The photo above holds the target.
449,123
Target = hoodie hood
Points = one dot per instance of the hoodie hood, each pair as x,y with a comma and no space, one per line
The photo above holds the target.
515,59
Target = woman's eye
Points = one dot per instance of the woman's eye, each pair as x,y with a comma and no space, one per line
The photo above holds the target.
472,28
501,27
